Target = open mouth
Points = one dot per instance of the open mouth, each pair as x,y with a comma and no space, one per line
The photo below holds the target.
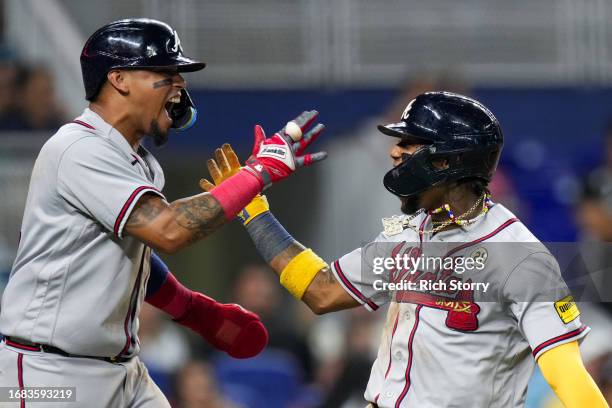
170,105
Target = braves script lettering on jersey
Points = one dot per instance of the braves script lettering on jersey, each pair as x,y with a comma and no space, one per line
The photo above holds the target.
458,348
77,283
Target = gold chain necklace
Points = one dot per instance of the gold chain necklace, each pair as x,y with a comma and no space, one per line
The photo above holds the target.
484,200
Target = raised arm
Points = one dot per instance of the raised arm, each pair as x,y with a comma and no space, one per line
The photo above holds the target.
169,227
304,274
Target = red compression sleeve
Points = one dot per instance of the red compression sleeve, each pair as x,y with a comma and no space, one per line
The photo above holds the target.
230,328
236,192
172,297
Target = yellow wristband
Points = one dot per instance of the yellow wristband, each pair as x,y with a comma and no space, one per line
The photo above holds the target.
257,206
300,271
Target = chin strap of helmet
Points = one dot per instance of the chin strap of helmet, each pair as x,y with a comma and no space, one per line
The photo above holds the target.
184,113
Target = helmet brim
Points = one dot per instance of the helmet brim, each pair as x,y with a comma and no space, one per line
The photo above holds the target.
399,130
180,63
185,64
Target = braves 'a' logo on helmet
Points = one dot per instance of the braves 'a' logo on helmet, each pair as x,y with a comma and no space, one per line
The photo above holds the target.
176,44
407,110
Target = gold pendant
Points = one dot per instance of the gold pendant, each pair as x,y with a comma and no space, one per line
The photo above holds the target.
393,225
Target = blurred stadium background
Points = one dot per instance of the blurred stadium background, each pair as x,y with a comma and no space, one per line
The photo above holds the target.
544,67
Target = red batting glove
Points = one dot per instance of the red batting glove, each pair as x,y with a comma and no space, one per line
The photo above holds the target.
227,327
275,158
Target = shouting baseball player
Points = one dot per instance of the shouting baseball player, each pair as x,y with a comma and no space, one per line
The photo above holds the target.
94,213
443,345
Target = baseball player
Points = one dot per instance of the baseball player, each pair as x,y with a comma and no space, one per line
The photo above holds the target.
94,213
446,342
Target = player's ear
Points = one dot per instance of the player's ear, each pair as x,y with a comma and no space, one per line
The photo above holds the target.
119,79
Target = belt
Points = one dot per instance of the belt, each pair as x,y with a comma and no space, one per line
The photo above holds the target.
45,348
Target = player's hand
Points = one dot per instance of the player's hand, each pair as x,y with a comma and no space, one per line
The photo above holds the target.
228,327
224,165
276,157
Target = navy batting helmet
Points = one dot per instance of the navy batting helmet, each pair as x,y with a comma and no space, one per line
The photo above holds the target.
137,44
452,127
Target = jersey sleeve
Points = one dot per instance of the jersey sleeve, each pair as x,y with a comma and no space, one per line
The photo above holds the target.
542,304
356,274
95,178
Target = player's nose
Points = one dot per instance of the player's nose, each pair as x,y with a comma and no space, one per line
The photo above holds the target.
396,154
179,81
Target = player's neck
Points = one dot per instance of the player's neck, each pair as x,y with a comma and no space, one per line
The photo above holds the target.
461,200
120,120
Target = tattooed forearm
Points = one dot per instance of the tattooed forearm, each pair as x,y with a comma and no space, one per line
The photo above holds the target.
201,215
146,210
170,227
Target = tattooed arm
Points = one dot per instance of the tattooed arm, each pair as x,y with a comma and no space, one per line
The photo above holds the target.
169,227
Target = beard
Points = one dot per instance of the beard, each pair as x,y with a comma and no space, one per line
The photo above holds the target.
410,205
159,136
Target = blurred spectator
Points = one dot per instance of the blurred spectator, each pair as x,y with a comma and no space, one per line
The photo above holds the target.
594,210
353,368
196,387
608,149
593,213
606,386
164,348
8,90
503,190
257,289
36,103
280,376
273,379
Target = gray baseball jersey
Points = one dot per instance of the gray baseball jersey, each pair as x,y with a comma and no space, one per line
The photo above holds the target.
77,283
460,347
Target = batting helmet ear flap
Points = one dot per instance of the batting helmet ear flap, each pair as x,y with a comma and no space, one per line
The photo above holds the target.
493,158
184,113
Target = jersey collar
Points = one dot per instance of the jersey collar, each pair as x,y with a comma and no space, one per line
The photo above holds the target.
105,129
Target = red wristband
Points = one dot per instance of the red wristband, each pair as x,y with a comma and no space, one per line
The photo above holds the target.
236,192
